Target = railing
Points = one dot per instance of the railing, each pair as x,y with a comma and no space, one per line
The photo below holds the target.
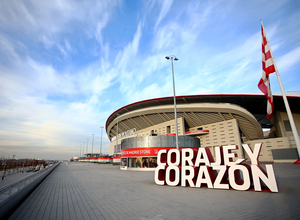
6,173
12,188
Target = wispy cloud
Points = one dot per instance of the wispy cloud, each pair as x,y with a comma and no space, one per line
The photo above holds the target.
66,66
166,5
290,59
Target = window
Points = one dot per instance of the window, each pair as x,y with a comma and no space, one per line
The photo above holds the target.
168,129
143,162
287,125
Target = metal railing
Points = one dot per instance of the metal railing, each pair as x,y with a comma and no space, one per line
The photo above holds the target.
9,172
12,188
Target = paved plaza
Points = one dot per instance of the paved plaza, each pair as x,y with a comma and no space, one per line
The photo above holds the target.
102,191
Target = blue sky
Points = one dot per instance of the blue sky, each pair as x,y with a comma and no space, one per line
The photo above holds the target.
65,66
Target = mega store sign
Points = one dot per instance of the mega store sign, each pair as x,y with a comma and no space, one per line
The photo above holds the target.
197,168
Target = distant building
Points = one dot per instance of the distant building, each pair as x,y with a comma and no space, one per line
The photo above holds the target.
216,120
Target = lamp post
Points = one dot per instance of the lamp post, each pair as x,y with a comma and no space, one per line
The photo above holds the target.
87,146
83,148
173,57
101,139
93,144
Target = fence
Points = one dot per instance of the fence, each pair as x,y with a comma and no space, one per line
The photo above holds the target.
12,194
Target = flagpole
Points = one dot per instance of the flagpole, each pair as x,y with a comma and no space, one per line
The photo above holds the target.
288,110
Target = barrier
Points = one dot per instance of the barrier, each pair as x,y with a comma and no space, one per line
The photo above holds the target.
14,193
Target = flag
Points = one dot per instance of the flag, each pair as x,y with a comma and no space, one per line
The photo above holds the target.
268,67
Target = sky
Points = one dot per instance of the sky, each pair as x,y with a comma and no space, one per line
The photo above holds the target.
66,66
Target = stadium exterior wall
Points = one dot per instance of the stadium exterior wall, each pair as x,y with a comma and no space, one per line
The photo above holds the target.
214,124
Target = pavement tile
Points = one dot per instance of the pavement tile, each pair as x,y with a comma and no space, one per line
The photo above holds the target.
102,191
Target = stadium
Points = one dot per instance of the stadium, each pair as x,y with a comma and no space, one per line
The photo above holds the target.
139,130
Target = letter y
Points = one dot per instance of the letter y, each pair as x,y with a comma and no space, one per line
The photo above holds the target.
253,155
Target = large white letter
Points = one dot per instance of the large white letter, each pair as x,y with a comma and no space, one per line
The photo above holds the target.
176,177
206,179
161,166
268,178
188,177
202,157
228,156
219,156
184,168
159,157
156,175
177,157
233,178
186,158
253,155
221,173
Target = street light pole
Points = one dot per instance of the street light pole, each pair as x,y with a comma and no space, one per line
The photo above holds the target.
87,146
83,148
101,139
173,57
93,143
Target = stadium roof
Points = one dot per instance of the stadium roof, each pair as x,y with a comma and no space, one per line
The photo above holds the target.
255,103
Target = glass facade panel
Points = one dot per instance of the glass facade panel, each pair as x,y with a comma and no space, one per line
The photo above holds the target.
159,141
138,162
142,141
152,162
145,163
141,162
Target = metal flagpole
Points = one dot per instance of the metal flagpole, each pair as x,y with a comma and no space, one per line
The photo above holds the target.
289,113
288,110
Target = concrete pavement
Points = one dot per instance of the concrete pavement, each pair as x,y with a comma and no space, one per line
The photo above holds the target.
100,191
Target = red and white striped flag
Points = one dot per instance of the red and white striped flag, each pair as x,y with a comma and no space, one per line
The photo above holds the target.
268,67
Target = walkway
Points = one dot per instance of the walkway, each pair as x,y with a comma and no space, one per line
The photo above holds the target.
99,191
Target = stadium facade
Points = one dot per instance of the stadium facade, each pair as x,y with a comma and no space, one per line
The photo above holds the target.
139,130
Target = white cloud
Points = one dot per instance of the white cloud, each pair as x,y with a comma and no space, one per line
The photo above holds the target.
100,25
166,5
290,59
126,60
65,68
